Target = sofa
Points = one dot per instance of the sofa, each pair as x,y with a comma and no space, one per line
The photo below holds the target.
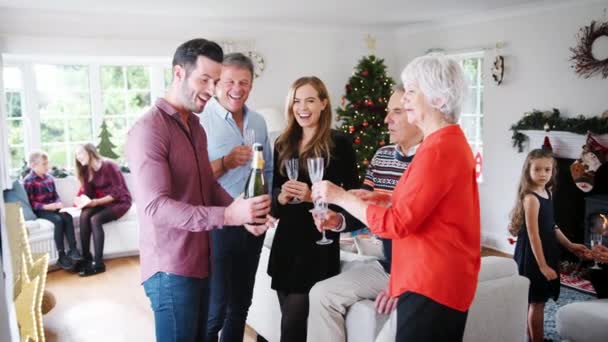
121,236
583,321
498,312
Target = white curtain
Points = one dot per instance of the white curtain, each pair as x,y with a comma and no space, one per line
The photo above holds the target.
5,181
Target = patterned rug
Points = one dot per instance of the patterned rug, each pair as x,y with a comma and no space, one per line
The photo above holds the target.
577,283
575,276
567,296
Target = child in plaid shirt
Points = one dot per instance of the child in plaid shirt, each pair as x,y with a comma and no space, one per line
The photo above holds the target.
41,192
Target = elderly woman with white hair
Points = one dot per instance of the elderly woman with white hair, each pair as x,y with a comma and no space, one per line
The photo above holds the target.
433,214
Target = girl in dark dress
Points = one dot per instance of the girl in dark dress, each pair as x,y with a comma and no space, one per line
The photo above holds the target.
537,250
102,181
296,261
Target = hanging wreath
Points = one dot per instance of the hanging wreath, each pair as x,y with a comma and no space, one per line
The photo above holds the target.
585,64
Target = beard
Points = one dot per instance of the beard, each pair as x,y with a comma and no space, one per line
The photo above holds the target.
189,98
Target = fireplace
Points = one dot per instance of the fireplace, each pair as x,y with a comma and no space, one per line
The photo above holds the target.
576,210
594,207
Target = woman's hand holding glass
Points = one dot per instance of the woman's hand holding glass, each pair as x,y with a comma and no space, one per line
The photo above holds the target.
316,168
295,189
292,166
327,191
332,221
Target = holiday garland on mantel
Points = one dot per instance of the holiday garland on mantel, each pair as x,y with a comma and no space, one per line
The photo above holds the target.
550,120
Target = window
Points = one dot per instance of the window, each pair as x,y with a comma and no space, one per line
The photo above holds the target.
64,105
125,92
471,119
13,91
56,103
168,75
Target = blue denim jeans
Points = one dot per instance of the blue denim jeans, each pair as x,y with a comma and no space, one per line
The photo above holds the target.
180,307
235,254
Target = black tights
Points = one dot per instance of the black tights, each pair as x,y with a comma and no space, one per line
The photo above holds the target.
294,316
91,220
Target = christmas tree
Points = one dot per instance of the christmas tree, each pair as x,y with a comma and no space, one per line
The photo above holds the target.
363,108
105,144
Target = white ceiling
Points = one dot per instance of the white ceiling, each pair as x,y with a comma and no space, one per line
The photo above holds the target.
386,13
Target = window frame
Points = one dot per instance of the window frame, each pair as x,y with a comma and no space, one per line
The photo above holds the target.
477,144
31,114
14,169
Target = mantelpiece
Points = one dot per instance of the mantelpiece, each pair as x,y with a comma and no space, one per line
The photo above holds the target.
565,144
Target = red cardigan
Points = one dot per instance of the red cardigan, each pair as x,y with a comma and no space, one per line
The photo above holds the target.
434,222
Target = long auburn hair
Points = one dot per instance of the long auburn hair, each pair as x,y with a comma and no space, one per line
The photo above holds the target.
525,188
288,143
85,172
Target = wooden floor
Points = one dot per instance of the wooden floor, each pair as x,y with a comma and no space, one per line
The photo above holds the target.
110,306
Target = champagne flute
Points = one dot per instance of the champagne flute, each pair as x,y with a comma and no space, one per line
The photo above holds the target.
249,137
316,166
595,239
292,166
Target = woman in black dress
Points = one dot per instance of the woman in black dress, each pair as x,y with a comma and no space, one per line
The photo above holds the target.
296,261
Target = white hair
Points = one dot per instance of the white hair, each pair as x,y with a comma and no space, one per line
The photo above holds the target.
441,80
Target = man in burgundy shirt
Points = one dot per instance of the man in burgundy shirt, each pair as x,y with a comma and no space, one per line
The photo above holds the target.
178,199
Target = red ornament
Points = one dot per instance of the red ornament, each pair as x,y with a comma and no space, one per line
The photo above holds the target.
365,123
478,166
365,73
381,143
351,129
365,162
357,140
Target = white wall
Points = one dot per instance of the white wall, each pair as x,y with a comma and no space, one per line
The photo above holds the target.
537,75
289,51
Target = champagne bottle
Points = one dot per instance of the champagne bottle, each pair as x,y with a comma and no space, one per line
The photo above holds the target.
256,184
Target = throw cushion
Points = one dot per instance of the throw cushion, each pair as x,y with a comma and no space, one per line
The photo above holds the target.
369,245
18,195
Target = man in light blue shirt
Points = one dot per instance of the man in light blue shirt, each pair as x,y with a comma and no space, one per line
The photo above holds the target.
235,253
